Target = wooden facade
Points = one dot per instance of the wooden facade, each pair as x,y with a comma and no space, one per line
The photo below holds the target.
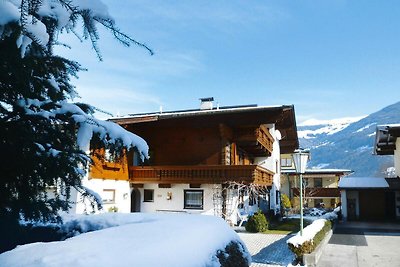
114,170
319,192
201,174
203,147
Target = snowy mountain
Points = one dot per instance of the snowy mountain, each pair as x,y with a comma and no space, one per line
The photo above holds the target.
348,143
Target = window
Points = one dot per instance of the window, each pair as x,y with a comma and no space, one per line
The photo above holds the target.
286,162
136,159
193,199
148,195
108,196
318,182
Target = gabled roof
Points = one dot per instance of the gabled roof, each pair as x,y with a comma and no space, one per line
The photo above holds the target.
385,139
362,182
235,116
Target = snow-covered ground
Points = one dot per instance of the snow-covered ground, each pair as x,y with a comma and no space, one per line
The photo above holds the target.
135,239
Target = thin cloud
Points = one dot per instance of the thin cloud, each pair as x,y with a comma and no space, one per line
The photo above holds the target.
217,11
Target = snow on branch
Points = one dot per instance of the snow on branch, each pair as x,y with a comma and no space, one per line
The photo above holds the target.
34,17
87,124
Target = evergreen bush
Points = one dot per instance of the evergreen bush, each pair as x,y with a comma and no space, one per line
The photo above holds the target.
257,223
233,256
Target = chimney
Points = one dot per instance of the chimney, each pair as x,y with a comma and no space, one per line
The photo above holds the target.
206,103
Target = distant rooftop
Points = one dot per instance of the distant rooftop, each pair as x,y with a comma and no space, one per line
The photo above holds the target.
319,171
363,182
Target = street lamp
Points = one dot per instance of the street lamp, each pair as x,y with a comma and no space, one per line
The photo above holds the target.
300,158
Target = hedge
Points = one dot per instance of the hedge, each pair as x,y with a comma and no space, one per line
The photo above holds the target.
310,245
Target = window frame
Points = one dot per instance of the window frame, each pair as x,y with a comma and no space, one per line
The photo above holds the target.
144,195
315,184
106,201
191,207
285,164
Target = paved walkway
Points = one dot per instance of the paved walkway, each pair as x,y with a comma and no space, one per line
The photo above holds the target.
267,250
362,245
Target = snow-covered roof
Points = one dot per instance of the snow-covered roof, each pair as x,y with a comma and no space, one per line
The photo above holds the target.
319,171
363,182
393,125
193,112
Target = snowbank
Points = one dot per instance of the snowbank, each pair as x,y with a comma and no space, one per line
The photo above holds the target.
136,239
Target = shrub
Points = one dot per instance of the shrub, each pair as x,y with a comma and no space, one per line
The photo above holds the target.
310,245
113,209
14,234
233,256
257,223
285,201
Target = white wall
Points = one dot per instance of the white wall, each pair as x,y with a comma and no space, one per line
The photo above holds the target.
343,197
273,163
161,202
176,203
122,195
397,157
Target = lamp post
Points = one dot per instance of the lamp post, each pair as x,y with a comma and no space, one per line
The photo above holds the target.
300,158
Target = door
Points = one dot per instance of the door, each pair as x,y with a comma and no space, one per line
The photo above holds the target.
390,205
135,200
351,209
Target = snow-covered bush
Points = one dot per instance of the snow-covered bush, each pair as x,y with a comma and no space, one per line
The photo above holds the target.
233,255
311,238
316,212
256,223
333,215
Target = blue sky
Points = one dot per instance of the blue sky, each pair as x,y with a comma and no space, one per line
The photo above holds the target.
330,59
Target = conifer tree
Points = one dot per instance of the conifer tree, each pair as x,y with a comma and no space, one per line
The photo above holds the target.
44,135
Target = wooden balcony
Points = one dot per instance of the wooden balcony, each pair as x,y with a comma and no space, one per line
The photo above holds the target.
257,142
318,192
200,174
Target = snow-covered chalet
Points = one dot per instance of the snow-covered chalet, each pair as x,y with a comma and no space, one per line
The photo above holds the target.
223,161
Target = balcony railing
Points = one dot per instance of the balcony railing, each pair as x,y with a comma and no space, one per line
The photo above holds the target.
318,192
265,138
258,142
200,174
